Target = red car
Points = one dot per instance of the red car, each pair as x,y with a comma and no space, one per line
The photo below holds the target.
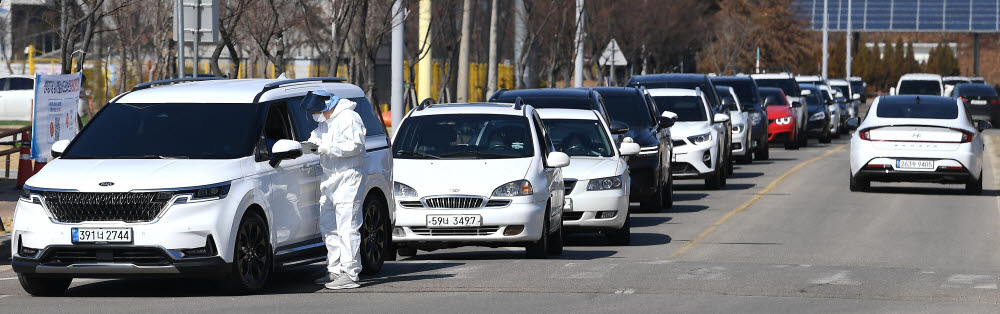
781,121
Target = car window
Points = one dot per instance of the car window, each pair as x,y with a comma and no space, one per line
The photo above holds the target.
169,130
913,110
465,136
301,120
779,99
373,123
919,87
551,102
3,83
20,83
586,138
814,99
628,108
687,108
745,89
970,90
277,126
843,90
789,86
304,124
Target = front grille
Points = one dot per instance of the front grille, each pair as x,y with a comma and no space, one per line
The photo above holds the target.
570,184
454,202
140,256
572,216
679,143
126,206
480,231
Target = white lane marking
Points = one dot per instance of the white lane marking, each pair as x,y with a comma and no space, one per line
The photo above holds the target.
4,296
927,272
10,278
625,291
840,278
805,265
658,262
971,281
706,273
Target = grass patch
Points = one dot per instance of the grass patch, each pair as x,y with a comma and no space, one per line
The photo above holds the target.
14,123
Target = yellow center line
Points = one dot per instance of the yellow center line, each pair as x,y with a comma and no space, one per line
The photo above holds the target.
749,202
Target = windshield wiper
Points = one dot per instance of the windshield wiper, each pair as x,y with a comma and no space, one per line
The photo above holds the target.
478,154
418,154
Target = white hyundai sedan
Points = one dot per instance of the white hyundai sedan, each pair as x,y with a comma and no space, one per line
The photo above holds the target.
597,189
917,139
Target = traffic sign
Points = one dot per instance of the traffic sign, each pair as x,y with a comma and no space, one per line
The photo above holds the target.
613,55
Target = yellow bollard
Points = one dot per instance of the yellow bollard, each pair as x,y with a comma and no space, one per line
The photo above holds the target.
31,59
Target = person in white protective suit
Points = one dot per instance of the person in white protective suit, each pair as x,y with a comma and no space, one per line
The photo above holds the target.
339,139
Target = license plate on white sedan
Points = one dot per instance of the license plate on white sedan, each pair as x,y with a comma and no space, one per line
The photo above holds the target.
102,235
914,164
452,221
978,102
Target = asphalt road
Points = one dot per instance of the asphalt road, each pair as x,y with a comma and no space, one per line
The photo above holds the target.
785,235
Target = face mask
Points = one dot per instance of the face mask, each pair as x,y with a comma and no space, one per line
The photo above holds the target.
319,117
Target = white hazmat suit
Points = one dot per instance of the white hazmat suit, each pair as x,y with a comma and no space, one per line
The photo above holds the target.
341,145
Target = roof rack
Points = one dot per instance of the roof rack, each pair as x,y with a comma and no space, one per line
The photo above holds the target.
426,103
276,84
518,103
174,81
497,94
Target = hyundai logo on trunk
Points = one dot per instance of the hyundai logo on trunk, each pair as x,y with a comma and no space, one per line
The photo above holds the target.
106,183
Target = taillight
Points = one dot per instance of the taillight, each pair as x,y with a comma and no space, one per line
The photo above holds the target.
964,101
864,134
995,101
966,136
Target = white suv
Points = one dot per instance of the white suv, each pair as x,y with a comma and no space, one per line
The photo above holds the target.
16,94
477,174
920,84
697,146
202,178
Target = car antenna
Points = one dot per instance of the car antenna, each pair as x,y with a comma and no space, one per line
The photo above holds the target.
918,100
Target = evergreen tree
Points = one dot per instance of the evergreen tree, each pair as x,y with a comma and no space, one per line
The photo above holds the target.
912,66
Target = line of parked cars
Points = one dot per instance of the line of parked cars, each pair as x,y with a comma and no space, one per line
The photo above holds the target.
207,177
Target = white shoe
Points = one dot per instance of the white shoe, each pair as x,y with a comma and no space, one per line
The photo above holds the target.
343,282
328,278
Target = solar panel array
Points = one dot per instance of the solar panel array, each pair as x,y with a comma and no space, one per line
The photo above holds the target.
968,16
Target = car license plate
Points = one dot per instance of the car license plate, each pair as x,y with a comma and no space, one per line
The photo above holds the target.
915,164
978,102
102,235
451,221
568,205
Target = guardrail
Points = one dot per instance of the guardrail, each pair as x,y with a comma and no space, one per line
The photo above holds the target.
16,142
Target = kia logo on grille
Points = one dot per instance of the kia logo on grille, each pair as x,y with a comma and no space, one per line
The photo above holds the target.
106,183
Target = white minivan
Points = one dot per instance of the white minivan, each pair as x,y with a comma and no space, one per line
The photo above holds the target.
202,178
477,174
920,84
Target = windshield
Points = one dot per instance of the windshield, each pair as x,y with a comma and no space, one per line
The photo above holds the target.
843,90
465,136
813,99
969,90
776,96
171,130
744,89
687,108
914,87
704,85
579,137
630,109
857,87
954,82
551,102
926,110
787,85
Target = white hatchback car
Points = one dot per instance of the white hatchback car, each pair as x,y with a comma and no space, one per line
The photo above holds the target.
697,146
917,139
477,174
597,189
202,178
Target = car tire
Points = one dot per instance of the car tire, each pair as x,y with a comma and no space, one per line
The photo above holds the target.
556,241
763,151
859,185
803,138
792,144
975,187
540,248
668,197
747,158
252,257
653,203
825,138
406,251
714,182
622,236
43,287
375,235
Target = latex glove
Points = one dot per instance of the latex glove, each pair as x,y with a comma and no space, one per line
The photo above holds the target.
310,147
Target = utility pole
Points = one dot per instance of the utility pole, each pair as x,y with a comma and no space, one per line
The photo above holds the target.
396,96
462,89
520,36
826,38
197,36
578,63
491,73
847,38
425,64
180,38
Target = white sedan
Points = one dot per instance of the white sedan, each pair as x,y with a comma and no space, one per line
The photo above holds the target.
917,139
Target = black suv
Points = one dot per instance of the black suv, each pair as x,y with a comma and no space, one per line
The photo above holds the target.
693,81
652,185
746,90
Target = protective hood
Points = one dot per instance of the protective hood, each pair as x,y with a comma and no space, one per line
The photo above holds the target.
342,105
311,102
685,129
453,176
585,168
85,175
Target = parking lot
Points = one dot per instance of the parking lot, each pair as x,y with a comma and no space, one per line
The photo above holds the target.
785,235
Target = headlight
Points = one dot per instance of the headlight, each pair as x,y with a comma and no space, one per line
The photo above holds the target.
701,138
783,121
26,195
755,117
817,116
403,190
218,191
609,183
515,188
738,128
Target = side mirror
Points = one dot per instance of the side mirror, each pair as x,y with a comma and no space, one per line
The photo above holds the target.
669,115
618,127
796,104
720,118
59,147
730,104
628,149
665,122
856,96
285,149
853,123
982,125
806,92
558,160
892,91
